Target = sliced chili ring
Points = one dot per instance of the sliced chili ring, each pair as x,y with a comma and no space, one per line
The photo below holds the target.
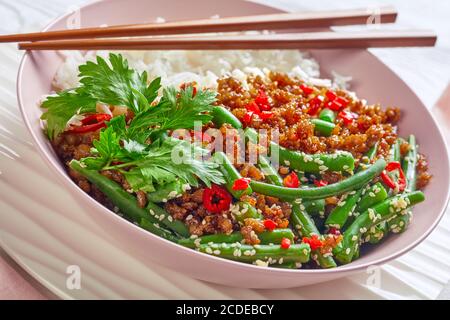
291,180
91,123
216,199
400,184
241,184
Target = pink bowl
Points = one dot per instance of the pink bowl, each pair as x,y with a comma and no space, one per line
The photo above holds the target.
372,80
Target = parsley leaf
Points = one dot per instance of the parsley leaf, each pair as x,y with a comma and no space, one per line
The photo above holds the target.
107,148
177,109
99,82
118,84
164,162
62,107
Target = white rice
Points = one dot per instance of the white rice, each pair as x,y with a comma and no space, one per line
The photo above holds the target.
203,67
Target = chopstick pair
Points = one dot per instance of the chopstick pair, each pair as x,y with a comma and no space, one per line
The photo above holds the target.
88,38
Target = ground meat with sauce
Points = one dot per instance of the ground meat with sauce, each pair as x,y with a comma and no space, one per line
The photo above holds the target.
189,209
289,107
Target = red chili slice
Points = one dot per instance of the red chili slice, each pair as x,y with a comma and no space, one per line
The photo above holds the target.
313,241
334,105
241,184
342,101
307,90
320,183
270,224
331,95
91,123
247,118
401,180
253,107
291,180
264,107
285,243
314,105
264,115
347,116
262,99
216,199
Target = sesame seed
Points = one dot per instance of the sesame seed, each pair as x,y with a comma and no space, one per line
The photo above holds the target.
261,263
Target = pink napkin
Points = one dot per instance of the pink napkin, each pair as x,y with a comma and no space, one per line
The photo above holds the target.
14,283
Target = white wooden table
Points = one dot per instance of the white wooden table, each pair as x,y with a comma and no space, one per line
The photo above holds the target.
426,71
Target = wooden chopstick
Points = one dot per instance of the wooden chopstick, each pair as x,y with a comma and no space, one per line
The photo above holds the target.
279,21
313,40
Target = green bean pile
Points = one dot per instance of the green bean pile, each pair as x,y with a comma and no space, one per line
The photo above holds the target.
366,212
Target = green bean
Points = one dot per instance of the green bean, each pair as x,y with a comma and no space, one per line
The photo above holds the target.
222,115
394,153
303,223
266,237
409,164
167,191
126,202
150,226
166,219
343,210
400,222
325,128
315,207
356,181
230,174
269,172
369,156
313,163
327,115
376,233
370,218
270,254
242,210
215,238
371,196
276,235
372,151
263,163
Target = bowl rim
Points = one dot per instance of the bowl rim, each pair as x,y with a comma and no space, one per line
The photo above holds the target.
70,185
